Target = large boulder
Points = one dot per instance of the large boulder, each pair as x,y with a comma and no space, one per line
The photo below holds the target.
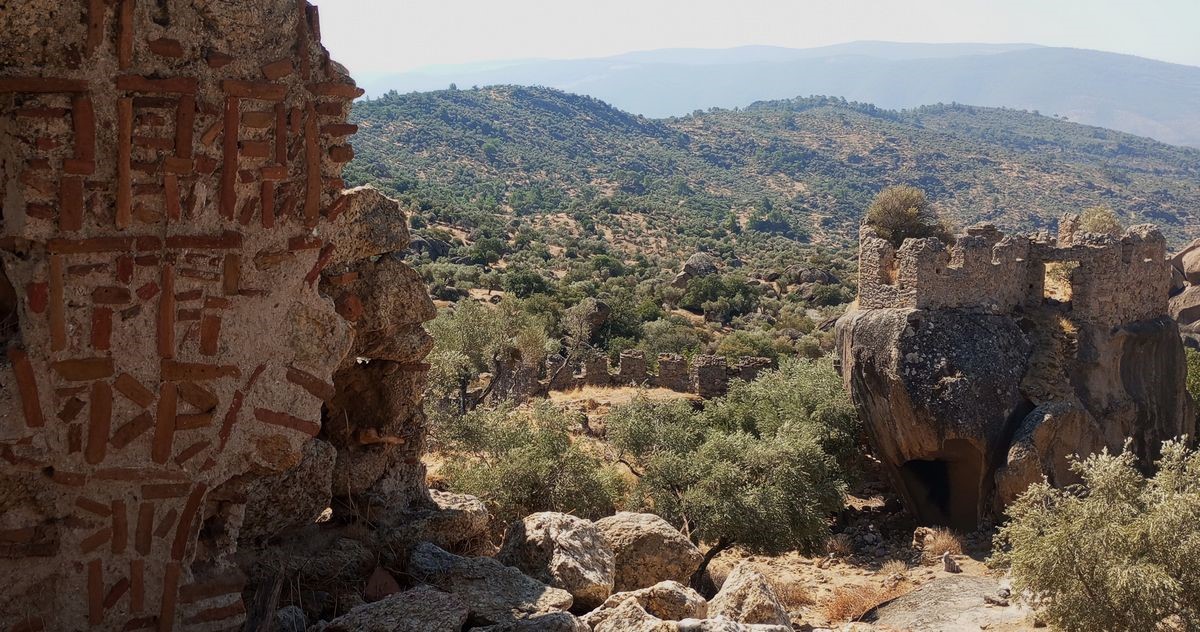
293,499
1185,306
422,609
721,624
747,597
1189,264
553,622
630,616
667,600
562,551
965,408
494,593
648,550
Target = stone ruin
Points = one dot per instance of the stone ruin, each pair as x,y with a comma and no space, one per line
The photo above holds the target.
706,375
980,366
189,298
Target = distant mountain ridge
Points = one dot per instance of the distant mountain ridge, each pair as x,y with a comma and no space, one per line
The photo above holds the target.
807,167
1132,94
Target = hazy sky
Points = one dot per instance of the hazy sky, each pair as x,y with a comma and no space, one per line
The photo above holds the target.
395,35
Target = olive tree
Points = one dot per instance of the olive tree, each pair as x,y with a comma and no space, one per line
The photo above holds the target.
1118,552
763,467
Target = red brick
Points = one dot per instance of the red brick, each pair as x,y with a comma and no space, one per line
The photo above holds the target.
99,422
84,369
285,420
164,424
170,85
166,47
101,328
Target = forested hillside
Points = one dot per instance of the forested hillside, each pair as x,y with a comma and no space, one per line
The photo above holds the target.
491,160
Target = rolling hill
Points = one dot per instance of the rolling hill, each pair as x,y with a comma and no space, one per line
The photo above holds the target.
1122,92
776,174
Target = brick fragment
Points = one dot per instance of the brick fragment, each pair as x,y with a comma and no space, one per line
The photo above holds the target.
131,430
31,405
83,369
285,420
164,425
166,47
99,422
101,328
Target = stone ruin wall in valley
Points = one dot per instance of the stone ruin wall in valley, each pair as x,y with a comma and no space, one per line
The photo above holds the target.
706,375
1117,281
182,278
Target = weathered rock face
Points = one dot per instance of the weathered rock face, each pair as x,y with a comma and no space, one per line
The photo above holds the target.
422,609
969,398
648,550
1185,292
182,277
747,597
562,551
667,600
493,592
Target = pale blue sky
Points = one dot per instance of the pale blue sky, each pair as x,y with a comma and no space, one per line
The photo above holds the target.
370,36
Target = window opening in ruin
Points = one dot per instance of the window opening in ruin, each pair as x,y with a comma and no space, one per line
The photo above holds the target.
1057,287
889,272
947,487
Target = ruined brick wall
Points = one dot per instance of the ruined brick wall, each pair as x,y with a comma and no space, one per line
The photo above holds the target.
170,179
709,376
984,269
632,370
1117,281
706,375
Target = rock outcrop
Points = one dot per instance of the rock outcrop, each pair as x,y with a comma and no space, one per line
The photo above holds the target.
648,550
747,597
1185,293
668,600
978,369
190,298
562,551
494,593
697,266
422,609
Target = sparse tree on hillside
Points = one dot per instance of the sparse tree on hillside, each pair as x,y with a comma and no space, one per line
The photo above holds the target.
903,212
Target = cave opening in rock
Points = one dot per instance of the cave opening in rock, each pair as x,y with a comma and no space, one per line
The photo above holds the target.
946,488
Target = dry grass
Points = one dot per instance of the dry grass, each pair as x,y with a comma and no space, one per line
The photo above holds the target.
840,545
894,567
597,396
940,541
792,594
850,603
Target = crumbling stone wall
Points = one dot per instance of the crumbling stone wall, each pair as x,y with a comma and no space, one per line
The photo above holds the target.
170,180
706,375
1118,280
973,384
710,376
632,370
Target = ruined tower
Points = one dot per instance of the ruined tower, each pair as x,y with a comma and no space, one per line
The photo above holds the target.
979,366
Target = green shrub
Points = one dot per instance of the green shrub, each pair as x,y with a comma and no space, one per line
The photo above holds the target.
902,212
761,467
1118,552
1193,373
747,344
522,461
1100,219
